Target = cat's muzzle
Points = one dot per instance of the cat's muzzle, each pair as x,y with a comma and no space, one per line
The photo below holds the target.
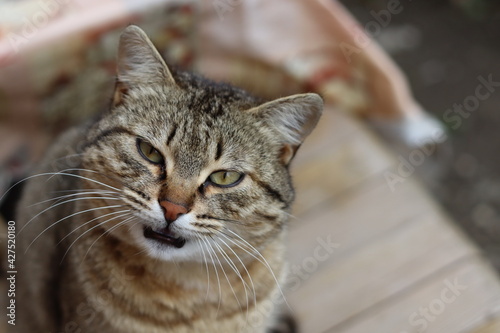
164,236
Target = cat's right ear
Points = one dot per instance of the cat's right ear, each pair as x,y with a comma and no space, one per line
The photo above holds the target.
292,119
138,63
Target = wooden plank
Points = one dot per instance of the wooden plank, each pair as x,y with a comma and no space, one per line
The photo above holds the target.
359,217
338,155
493,326
333,128
326,166
454,301
347,286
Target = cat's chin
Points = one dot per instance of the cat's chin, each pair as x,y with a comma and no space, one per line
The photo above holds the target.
189,252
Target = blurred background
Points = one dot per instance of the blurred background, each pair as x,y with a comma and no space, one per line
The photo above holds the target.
443,47
392,247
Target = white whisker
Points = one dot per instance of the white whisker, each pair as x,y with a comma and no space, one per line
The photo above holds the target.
62,203
227,279
94,219
208,247
292,216
264,262
71,195
83,189
52,174
67,217
235,269
81,177
206,266
104,233
246,270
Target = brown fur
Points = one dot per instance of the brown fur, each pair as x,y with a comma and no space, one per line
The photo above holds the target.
88,268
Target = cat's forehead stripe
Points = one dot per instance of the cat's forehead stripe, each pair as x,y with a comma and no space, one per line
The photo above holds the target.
171,135
218,152
108,132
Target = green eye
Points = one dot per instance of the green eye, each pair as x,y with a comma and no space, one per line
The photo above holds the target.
149,152
225,178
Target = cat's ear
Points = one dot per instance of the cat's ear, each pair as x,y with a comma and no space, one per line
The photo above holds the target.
138,63
292,118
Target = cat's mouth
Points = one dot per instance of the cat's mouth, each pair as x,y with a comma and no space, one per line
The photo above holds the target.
165,236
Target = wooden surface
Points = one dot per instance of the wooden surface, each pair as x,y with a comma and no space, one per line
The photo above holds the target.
491,327
397,263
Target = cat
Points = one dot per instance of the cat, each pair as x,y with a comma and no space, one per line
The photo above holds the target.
174,215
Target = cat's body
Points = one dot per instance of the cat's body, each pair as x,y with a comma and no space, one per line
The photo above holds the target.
172,216
174,292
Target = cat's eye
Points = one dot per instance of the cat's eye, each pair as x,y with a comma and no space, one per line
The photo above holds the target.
149,152
225,178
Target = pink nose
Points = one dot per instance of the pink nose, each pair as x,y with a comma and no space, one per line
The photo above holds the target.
172,211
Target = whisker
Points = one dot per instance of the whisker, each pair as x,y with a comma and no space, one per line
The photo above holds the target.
52,174
140,252
208,247
144,250
224,220
62,203
82,190
67,217
70,195
246,270
103,196
227,279
99,224
64,173
206,266
94,219
133,225
292,216
264,263
71,169
239,243
235,269
101,174
104,233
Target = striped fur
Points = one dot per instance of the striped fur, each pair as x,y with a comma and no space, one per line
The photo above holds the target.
89,266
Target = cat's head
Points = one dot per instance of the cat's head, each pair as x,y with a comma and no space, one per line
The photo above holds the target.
196,164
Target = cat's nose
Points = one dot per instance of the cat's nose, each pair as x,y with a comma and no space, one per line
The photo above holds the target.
171,210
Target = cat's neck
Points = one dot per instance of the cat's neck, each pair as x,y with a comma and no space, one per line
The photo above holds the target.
170,290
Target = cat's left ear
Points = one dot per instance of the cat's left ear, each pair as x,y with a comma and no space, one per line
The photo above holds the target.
138,63
292,118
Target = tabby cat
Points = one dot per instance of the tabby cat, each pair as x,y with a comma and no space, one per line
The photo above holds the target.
171,214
